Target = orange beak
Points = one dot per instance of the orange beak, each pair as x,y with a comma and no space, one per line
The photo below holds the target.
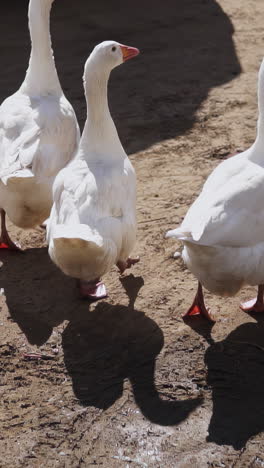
129,52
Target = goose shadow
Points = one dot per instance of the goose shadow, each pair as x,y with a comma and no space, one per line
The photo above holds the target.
38,296
187,49
102,347
235,373
113,343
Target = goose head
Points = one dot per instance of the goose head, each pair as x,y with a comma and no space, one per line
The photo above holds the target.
109,54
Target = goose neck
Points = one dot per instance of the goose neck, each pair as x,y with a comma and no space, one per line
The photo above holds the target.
100,138
41,76
97,96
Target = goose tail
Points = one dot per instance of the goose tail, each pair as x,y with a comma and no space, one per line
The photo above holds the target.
177,234
81,251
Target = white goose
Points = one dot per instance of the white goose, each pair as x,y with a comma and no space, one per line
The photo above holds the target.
39,133
223,231
92,224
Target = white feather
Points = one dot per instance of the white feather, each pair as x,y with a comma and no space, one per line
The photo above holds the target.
223,231
38,130
93,220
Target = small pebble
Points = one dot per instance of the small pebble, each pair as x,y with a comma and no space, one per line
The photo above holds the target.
177,254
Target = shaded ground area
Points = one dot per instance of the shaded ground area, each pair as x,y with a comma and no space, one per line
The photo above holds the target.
184,46
125,382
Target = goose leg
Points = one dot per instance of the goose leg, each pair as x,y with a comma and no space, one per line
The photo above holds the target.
256,304
93,290
123,265
198,306
5,241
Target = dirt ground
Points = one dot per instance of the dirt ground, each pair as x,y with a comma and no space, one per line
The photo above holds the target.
126,383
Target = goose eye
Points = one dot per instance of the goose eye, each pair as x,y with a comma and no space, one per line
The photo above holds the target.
114,48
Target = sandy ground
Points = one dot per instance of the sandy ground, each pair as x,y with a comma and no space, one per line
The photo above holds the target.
126,383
